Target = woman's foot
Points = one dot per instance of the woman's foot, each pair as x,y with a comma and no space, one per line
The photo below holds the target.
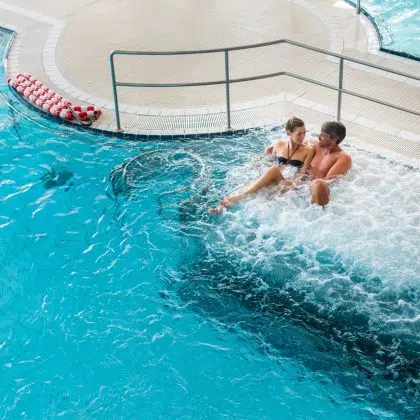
216,210
226,202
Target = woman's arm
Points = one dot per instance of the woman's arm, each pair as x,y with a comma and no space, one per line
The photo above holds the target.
269,150
272,149
307,162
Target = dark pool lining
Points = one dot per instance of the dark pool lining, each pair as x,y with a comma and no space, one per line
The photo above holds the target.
380,37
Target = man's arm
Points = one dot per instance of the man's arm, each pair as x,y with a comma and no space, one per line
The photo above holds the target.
340,167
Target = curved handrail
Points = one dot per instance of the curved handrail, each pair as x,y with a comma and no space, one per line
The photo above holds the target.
227,81
265,44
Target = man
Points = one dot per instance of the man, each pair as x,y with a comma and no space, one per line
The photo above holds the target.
327,161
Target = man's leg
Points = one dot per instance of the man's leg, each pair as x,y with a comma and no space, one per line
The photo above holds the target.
320,192
270,176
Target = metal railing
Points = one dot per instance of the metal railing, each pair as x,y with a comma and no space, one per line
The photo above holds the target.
227,81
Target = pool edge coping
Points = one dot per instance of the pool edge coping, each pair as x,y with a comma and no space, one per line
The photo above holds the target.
194,134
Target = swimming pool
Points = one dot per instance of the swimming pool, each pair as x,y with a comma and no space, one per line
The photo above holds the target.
122,298
398,24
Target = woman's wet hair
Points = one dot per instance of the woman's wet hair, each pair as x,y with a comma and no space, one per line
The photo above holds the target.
293,123
334,129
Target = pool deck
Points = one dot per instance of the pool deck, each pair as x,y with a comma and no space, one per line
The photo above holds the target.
67,46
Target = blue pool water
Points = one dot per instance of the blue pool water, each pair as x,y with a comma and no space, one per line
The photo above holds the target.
122,298
398,23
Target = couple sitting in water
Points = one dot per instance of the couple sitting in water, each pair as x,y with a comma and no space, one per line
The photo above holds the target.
319,163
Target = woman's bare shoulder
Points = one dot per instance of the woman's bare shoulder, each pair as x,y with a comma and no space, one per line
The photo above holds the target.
280,143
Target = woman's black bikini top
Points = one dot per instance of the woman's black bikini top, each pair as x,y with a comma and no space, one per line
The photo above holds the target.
284,161
289,161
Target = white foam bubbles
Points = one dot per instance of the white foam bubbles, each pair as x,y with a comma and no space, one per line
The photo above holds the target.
373,217
361,251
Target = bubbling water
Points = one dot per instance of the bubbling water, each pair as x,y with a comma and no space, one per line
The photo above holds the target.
349,271
373,218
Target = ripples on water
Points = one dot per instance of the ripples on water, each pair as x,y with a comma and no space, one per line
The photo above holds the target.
126,297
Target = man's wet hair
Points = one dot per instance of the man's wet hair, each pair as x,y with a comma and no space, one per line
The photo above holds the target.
334,129
293,123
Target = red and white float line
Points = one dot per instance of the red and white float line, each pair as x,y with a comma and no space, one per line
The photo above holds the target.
48,100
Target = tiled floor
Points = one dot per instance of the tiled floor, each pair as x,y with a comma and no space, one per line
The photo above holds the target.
67,45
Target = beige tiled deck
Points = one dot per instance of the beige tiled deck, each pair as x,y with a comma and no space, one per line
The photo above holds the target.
67,44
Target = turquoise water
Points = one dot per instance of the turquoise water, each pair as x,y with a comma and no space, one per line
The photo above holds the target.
398,23
122,298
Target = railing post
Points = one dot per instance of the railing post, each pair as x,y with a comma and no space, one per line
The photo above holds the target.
114,90
358,7
227,89
340,87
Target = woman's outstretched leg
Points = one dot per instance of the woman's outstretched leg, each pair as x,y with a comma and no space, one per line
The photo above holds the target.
270,176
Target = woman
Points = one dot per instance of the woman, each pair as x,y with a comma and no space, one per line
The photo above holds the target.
294,152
